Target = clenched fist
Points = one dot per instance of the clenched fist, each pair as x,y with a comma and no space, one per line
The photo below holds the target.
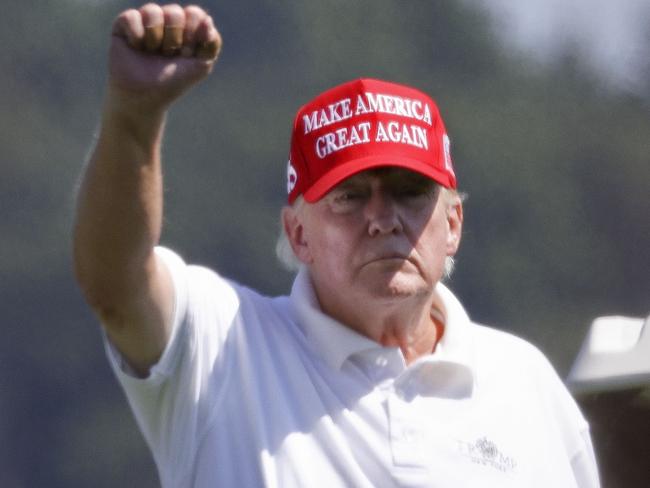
158,52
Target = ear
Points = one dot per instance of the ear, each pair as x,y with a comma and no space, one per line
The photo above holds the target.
295,232
454,225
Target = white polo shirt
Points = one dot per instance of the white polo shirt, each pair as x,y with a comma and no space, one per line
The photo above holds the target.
254,391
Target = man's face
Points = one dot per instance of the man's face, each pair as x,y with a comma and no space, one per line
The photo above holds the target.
382,234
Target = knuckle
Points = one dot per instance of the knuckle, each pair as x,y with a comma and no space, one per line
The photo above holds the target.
125,17
130,16
151,12
173,13
150,7
127,22
128,13
206,25
173,9
194,10
194,15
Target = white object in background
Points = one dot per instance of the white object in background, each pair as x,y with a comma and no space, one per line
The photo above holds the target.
615,355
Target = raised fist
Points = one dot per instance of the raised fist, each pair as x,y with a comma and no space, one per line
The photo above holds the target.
158,52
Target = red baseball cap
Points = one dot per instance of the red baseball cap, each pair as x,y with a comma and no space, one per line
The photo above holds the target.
363,124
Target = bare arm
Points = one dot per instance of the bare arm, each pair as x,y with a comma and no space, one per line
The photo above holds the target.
156,54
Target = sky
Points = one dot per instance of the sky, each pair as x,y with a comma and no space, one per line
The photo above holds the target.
612,36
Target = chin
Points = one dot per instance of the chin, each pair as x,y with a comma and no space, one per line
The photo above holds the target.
399,286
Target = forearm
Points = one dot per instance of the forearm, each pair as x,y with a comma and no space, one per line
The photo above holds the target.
119,207
157,53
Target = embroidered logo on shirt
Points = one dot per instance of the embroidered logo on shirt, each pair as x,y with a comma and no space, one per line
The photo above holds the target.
485,452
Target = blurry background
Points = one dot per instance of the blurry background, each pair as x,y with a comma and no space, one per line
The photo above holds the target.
547,104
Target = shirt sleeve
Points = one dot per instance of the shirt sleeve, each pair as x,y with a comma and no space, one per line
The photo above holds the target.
170,403
585,468
574,429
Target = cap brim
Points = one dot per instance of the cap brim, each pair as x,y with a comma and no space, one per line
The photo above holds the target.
339,173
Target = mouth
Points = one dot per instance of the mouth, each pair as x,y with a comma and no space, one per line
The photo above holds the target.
386,258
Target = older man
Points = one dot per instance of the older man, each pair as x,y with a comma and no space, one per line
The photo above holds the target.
370,373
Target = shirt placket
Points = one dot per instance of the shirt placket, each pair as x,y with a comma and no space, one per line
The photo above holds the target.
407,438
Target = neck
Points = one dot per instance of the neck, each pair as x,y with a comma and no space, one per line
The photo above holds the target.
416,336
406,323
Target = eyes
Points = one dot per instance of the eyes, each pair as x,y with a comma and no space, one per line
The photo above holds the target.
413,192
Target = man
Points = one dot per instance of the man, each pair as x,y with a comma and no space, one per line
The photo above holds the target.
370,374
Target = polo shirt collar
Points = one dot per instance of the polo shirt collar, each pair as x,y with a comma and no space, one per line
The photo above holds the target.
336,343
333,340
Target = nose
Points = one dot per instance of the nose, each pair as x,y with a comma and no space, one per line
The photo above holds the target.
382,214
